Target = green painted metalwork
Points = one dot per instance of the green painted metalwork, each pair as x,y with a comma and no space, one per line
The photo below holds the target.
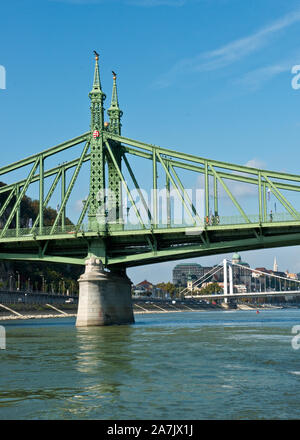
114,182
187,198
229,194
65,194
216,195
176,188
62,208
114,112
97,170
41,195
206,189
19,197
118,243
138,188
259,197
124,183
39,220
18,212
154,180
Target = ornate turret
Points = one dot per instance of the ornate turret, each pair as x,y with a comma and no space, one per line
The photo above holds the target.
114,111
114,181
97,179
236,258
97,98
190,281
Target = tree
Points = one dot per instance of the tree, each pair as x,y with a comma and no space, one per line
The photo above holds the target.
51,272
210,289
168,288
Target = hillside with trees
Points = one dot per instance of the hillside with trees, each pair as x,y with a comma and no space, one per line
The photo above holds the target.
35,276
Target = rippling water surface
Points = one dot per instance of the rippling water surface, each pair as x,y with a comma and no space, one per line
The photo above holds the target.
194,365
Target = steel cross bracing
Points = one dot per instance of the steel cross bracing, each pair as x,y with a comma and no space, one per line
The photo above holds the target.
210,226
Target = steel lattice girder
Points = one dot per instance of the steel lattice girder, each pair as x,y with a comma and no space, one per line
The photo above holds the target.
148,242
154,247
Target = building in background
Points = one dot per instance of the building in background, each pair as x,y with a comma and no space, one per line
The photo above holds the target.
192,275
145,288
241,275
194,271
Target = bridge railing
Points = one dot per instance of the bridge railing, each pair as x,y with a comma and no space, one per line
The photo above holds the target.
110,227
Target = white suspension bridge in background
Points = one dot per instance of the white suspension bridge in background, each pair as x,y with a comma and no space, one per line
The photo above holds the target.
262,281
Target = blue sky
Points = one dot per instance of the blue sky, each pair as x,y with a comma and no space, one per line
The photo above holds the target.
209,77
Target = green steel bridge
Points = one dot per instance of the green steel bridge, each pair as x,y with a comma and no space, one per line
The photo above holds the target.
219,219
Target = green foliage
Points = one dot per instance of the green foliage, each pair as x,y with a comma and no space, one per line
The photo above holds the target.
29,209
211,288
168,288
58,277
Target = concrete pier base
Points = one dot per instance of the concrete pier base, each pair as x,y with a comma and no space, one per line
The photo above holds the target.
104,297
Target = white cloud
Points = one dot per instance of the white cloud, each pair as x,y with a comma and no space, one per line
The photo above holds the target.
231,52
255,163
78,205
256,78
238,189
239,48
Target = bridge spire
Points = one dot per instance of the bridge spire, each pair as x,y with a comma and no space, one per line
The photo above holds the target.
97,83
114,111
114,181
97,98
97,173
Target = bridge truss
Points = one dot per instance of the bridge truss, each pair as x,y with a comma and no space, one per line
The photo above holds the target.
119,220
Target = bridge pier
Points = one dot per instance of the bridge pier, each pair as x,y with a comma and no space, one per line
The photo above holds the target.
104,297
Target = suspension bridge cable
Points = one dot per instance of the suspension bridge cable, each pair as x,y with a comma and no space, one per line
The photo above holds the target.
265,273
208,274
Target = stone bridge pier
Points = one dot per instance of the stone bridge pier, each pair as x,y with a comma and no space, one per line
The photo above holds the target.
104,297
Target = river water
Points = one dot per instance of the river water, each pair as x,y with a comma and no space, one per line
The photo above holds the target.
180,366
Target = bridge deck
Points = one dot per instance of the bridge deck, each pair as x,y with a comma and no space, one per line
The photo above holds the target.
145,246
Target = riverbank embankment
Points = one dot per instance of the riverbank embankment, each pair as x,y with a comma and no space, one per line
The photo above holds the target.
38,311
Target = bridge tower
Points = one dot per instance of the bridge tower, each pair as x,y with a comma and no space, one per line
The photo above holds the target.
115,214
104,297
228,276
96,213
